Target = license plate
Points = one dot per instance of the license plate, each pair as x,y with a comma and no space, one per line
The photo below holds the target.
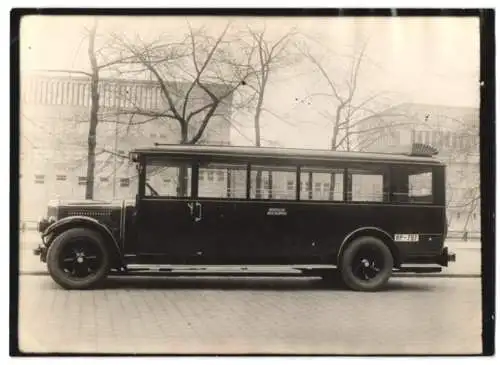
406,238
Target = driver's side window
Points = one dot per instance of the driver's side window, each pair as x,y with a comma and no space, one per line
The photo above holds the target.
168,179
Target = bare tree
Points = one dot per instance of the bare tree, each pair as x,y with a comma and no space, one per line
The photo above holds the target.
195,76
463,154
352,110
99,61
356,120
266,57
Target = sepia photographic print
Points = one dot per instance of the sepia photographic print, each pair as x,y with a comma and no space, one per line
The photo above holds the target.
253,183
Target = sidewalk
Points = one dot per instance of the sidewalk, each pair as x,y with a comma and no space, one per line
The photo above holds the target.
468,261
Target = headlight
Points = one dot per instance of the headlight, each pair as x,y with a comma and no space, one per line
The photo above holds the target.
44,223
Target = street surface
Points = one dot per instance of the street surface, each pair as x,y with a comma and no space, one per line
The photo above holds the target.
251,315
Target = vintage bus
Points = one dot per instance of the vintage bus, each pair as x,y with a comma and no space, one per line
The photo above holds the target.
351,215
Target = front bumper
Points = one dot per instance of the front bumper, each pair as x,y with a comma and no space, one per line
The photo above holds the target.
41,251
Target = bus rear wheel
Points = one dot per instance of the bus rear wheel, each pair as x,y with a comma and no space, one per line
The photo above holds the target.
366,264
78,259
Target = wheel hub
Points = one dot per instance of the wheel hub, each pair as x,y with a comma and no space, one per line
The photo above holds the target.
79,259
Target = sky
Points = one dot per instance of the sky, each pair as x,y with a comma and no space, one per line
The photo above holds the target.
422,60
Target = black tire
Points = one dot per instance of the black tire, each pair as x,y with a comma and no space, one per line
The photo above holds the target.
91,259
366,264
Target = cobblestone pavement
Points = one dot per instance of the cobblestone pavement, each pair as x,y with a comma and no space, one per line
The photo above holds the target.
250,315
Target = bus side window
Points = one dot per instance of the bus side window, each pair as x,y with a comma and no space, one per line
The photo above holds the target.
420,187
367,185
399,186
322,184
411,185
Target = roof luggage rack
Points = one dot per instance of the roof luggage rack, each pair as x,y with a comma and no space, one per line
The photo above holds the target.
415,149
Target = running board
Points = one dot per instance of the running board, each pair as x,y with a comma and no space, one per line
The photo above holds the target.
248,270
419,269
228,269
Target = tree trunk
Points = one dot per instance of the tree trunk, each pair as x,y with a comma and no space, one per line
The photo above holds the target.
258,111
94,110
182,187
333,147
332,187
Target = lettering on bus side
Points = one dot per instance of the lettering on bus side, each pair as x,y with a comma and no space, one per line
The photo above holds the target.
276,211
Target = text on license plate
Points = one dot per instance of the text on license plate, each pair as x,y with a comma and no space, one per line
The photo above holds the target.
406,237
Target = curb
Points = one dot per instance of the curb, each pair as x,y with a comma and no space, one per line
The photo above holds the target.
396,275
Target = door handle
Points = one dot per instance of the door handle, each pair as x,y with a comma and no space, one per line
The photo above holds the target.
195,213
199,214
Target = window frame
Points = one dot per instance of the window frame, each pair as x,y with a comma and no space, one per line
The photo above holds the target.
336,167
201,165
298,165
171,161
293,167
376,166
438,190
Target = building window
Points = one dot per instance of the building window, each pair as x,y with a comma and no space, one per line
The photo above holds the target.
418,137
210,176
124,182
60,177
290,185
39,179
104,179
82,180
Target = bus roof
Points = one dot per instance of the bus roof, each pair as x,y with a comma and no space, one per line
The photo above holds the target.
397,156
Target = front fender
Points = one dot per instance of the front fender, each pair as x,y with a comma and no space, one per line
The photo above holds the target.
79,221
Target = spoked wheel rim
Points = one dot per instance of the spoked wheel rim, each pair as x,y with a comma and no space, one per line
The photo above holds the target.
80,259
368,264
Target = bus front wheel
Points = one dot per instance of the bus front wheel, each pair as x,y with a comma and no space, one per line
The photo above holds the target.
366,264
78,259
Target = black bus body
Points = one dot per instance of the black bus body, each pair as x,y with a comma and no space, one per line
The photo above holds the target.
361,216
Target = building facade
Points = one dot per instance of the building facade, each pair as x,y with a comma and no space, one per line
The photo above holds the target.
454,131
54,124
